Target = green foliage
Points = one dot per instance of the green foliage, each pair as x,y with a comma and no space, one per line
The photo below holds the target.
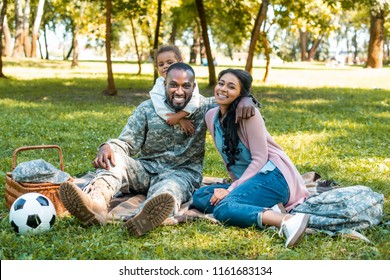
341,133
237,29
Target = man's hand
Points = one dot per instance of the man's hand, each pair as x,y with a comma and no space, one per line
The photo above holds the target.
245,109
219,194
105,158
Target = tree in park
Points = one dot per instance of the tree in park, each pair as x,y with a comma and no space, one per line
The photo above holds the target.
379,9
315,21
149,18
74,17
36,26
111,90
139,61
260,18
78,18
210,60
185,24
76,31
18,45
261,33
352,24
7,44
23,45
236,30
131,10
50,18
26,29
3,9
157,35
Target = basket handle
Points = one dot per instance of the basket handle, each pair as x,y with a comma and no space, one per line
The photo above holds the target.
14,161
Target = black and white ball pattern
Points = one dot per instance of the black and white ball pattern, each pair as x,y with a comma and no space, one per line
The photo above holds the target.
32,213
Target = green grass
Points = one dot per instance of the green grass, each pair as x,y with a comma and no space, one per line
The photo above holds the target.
332,121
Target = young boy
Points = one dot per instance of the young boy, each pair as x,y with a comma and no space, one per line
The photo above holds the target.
167,55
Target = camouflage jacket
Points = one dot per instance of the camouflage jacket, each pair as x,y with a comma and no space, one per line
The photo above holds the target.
163,148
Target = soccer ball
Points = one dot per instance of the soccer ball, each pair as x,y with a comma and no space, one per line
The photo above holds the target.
32,213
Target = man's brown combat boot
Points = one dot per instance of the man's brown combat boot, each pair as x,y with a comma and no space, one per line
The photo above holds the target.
89,206
153,213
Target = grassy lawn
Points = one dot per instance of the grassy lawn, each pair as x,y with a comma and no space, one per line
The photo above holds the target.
335,121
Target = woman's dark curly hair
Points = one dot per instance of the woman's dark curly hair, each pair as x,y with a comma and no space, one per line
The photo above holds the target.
229,126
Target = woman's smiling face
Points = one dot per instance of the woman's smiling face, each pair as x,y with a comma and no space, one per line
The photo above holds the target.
227,90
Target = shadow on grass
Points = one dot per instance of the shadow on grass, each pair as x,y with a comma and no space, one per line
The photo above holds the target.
63,91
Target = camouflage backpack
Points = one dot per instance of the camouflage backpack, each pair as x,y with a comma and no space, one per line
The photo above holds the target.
341,209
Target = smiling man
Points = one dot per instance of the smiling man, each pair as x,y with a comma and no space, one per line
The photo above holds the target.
179,86
149,157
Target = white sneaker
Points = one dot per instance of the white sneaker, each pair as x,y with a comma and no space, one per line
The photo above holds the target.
279,208
294,228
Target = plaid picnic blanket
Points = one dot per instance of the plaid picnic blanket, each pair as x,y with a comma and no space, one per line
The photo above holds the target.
123,206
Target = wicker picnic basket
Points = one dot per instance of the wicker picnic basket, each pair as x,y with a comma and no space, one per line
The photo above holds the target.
14,189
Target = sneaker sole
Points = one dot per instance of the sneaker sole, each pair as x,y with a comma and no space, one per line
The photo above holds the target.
298,236
154,212
72,198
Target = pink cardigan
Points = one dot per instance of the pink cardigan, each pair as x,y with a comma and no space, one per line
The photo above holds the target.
255,137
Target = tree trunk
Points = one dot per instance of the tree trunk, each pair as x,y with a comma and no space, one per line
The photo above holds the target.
136,47
7,47
375,46
210,60
111,90
156,37
76,32
267,53
3,10
150,39
355,46
26,29
202,51
199,42
37,23
193,50
172,37
69,52
347,30
46,44
75,47
314,48
261,16
303,44
18,45
40,48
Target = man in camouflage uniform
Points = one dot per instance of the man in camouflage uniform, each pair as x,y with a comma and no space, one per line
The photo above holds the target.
149,157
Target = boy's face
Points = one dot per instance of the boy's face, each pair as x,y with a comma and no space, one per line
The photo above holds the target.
164,60
179,86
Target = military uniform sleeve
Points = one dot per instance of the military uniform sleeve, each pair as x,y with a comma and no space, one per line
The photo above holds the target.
132,136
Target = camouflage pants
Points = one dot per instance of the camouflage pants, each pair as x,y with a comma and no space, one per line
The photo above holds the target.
130,176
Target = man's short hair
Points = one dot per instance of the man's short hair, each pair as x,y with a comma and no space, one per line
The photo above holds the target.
181,66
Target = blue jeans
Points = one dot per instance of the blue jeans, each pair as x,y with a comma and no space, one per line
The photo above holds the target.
245,205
